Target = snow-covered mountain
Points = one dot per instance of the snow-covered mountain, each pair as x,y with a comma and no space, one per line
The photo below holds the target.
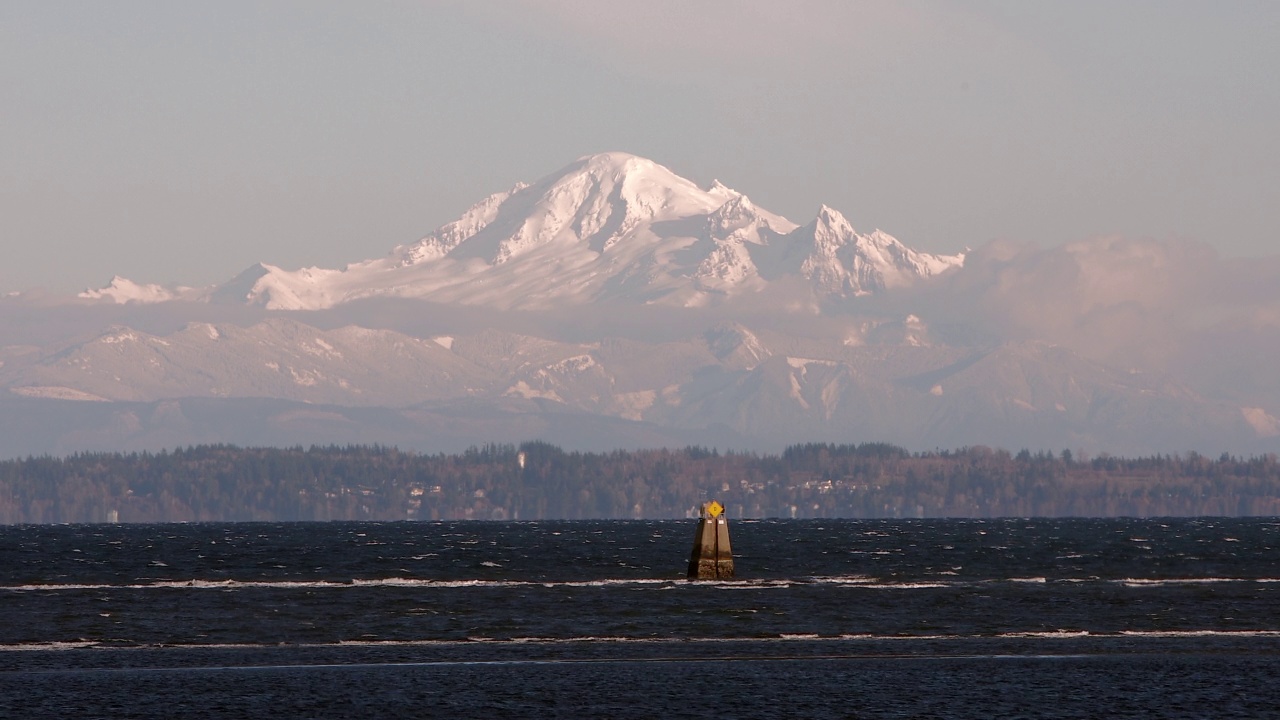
608,227
616,304
731,383
842,262
123,290
276,358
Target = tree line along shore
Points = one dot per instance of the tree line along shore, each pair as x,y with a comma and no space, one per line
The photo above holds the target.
537,480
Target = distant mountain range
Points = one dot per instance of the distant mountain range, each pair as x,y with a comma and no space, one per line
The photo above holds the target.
612,304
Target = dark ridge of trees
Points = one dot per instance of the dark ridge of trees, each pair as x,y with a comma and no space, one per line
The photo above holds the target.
537,480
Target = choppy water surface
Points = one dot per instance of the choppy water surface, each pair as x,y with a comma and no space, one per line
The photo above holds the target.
956,618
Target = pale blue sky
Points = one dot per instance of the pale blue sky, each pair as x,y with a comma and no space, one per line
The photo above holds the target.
182,142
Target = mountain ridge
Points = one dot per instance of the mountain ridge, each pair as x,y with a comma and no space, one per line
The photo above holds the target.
757,389
610,226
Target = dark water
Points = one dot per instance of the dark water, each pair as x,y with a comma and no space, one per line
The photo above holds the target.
902,618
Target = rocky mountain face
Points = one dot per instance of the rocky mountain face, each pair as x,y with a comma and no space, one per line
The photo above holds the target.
626,307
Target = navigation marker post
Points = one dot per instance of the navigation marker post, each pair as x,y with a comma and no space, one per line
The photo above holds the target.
712,558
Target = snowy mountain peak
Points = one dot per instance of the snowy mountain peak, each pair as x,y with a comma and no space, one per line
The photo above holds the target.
616,165
596,200
644,187
832,230
845,263
240,289
829,217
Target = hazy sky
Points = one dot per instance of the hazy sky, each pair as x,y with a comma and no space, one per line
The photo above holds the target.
183,141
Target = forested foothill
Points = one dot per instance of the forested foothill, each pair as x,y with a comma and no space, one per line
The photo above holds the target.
540,481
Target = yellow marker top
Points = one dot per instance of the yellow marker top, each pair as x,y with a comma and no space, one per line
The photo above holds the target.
714,509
